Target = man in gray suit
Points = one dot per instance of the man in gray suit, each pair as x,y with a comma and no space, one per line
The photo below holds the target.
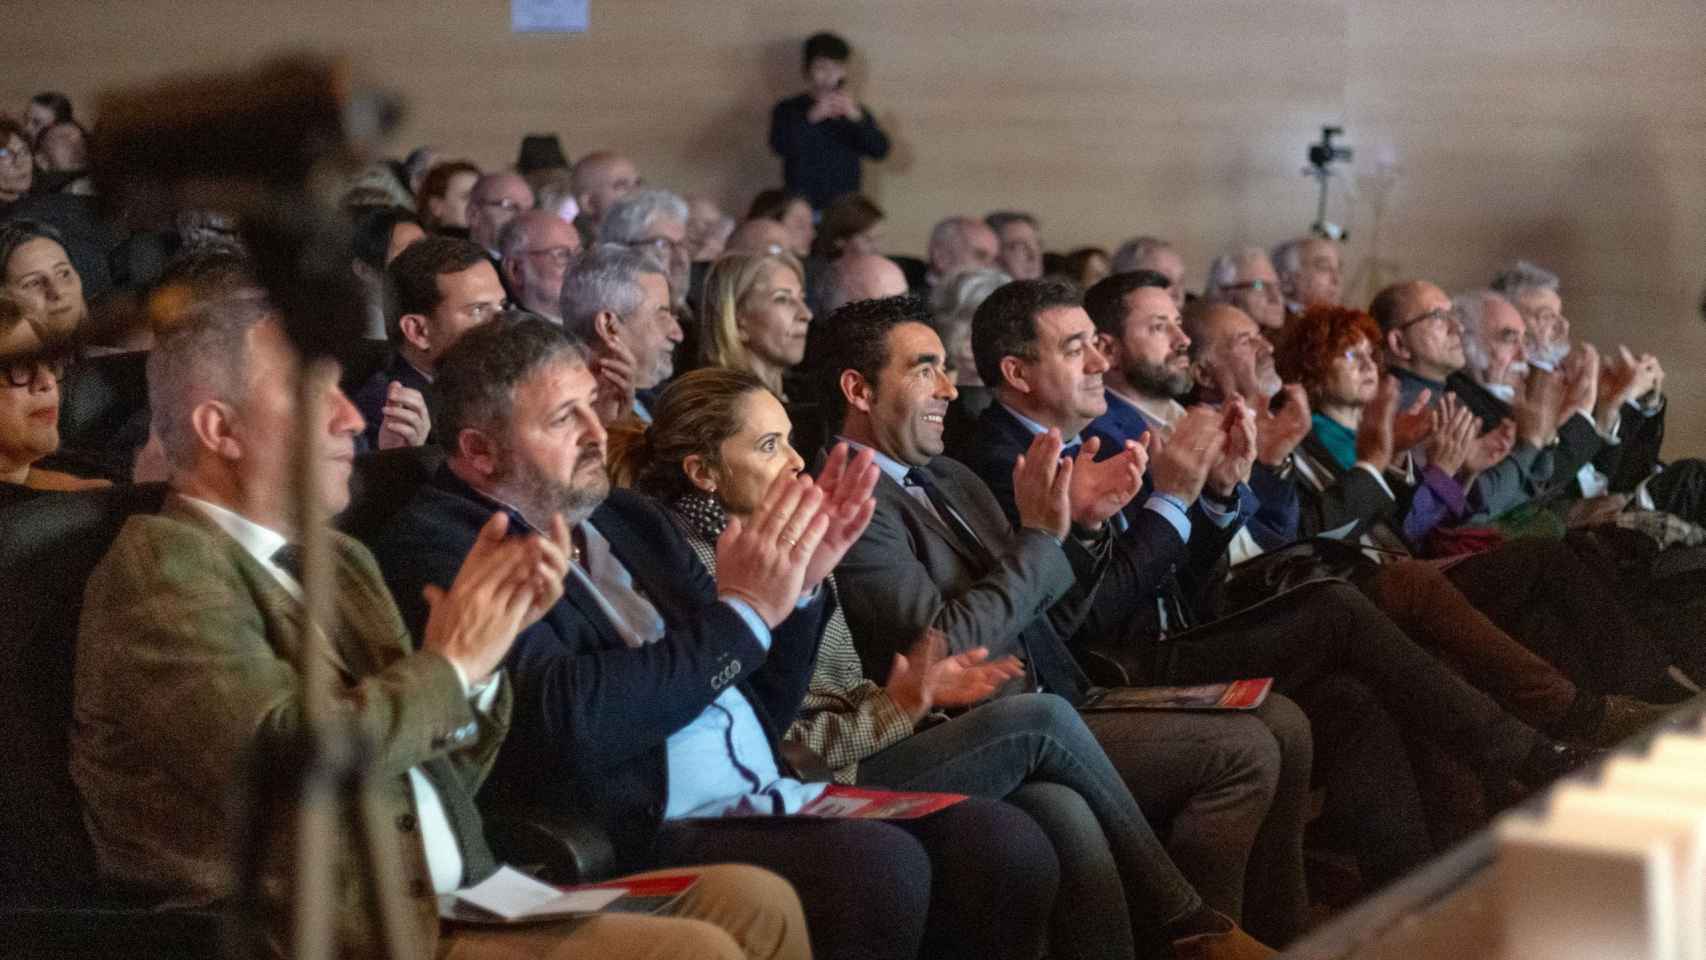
940,552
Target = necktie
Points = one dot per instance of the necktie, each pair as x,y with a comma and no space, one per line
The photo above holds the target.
289,559
950,517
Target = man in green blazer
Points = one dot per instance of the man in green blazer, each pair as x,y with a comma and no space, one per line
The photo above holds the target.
185,668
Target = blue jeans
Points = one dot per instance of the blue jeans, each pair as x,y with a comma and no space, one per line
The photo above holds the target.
1115,873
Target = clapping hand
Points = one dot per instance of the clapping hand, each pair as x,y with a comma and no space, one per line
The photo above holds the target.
928,676
762,560
1238,456
1100,489
1414,424
504,585
846,484
1042,484
1278,432
1453,437
1491,447
1179,467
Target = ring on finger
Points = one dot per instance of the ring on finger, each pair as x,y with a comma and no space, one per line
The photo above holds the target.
790,541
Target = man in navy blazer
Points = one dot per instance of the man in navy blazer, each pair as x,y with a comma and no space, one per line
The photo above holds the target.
650,699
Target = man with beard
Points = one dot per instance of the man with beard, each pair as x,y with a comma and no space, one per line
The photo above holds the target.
650,697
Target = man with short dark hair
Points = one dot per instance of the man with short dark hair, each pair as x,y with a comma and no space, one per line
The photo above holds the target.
537,248
1034,341
436,289
1021,249
650,698
822,134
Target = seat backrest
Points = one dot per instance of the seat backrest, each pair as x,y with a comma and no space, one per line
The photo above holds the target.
49,544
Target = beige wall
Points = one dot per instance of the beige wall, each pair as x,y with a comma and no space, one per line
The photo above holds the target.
1570,133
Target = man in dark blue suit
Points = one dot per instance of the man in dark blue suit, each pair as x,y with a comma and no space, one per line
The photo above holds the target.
650,698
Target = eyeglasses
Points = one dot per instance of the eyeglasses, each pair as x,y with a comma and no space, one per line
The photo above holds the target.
1359,358
662,245
505,204
22,373
1437,313
1255,286
561,256
7,155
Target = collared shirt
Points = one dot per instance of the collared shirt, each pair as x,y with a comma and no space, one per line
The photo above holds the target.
641,411
1165,505
443,856
1161,413
721,762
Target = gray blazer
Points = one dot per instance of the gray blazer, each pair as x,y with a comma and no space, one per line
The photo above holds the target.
910,571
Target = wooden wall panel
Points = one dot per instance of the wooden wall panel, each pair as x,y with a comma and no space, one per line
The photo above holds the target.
1571,134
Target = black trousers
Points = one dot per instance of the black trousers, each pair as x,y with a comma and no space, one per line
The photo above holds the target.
974,881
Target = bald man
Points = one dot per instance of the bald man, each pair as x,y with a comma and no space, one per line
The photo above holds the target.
758,235
538,248
496,200
862,276
600,179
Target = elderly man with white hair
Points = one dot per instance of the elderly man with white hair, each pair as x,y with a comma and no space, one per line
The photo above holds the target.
655,220
537,249
1147,252
617,301
1247,280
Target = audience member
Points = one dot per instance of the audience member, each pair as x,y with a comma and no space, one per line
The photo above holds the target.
62,156
442,200
1153,253
417,165
939,554
538,248
44,110
755,317
1021,251
40,276
1086,266
17,164
958,244
378,235
496,199
708,229
792,211
760,235
616,302
952,306
1308,269
719,440
849,225
183,680
823,134
1247,280
29,408
861,276
653,220
614,719
601,178
436,290
1034,340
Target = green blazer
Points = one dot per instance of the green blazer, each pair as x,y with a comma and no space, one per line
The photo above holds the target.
184,666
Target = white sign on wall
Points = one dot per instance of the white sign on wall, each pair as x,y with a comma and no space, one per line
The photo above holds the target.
548,16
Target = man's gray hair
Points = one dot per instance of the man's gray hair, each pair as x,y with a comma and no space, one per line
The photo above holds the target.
512,238
1470,308
204,356
1288,256
628,220
959,297
1521,277
1132,253
1223,271
607,277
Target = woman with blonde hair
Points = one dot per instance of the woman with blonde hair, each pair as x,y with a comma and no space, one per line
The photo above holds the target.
717,440
754,316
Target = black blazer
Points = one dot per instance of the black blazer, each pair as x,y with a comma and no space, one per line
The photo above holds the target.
1142,570
591,714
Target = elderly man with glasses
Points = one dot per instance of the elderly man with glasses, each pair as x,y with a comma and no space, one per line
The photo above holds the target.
654,220
538,248
1247,280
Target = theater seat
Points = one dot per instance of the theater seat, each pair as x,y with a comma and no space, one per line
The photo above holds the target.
50,902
